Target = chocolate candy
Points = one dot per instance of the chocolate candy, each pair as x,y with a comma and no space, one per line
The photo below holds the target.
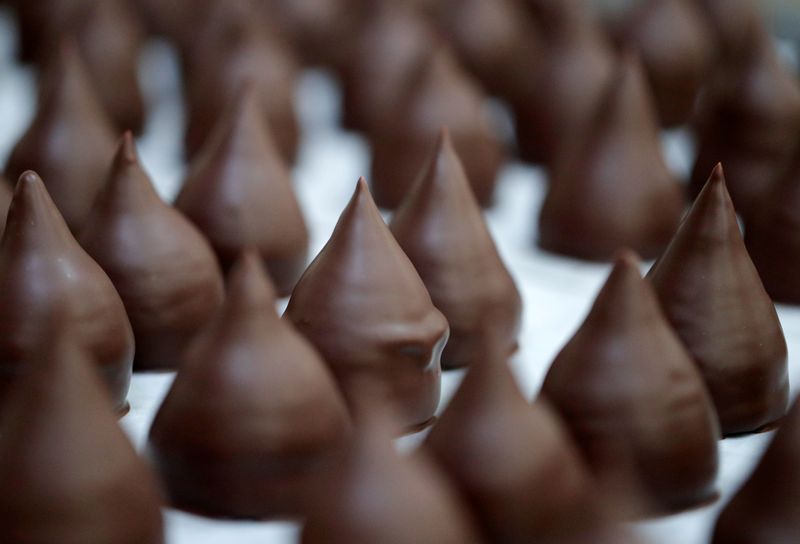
612,188
365,308
442,230
44,272
70,474
635,402
239,194
163,268
713,297
70,141
253,415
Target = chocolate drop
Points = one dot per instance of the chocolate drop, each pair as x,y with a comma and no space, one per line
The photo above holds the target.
5,202
712,296
70,474
773,237
766,509
677,51
365,308
235,46
163,268
375,494
70,141
514,463
748,120
613,188
253,415
44,272
442,230
441,94
239,194
635,402
561,92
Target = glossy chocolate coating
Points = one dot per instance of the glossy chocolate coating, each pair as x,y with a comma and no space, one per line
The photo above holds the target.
766,509
44,272
109,38
365,308
375,494
441,94
442,230
561,93
70,141
496,40
675,44
773,237
69,473
391,45
239,194
713,297
164,270
5,202
232,47
635,402
253,415
613,188
748,119
514,463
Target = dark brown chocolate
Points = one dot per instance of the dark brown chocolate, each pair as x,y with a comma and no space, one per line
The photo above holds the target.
44,272
442,230
375,494
232,46
676,46
635,401
70,141
561,92
766,509
253,415
773,237
69,473
239,194
514,463
748,119
164,270
713,297
496,40
365,308
440,94
612,188
5,202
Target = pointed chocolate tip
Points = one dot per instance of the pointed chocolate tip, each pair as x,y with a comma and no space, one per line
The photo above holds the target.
248,282
627,258
28,181
717,174
126,151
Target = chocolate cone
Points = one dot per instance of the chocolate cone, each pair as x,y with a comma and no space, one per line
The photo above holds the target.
70,141
442,230
766,510
365,308
613,188
515,464
162,267
239,193
441,95
748,119
773,237
253,415
712,295
562,90
5,202
377,495
393,42
731,21
675,45
634,400
44,272
70,474
495,40
232,47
